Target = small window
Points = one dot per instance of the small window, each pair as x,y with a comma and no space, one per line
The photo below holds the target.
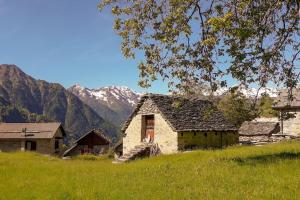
195,133
205,134
216,133
181,134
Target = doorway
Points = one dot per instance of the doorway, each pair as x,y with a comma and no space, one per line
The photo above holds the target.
30,145
149,128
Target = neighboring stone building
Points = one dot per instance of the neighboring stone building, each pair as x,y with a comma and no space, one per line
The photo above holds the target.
45,138
253,132
93,142
177,124
289,110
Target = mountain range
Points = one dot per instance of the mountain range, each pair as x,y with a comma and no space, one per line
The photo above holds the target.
25,99
250,92
113,103
78,108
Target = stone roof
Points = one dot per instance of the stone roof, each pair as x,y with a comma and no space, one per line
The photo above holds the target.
254,128
184,114
283,101
29,130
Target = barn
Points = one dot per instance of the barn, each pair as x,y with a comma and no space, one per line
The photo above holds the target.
92,142
177,124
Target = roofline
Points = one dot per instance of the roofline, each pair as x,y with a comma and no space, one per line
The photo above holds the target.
60,126
219,130
98,132
148,96
62,129
27,137
140,103
75,143
69,149
189,130
250,135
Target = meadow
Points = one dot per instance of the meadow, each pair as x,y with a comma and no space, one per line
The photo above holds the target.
265,172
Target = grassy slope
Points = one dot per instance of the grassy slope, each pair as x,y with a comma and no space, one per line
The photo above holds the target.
268,172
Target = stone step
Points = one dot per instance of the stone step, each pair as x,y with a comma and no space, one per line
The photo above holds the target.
132,154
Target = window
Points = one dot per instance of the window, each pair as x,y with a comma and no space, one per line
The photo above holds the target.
216,133
195,133
205,134
181,134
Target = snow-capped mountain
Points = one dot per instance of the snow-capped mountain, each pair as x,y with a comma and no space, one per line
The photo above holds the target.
113,103
251,92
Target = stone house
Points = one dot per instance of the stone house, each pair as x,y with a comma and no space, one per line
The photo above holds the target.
252,132
289,112
177,124
45,138
93,142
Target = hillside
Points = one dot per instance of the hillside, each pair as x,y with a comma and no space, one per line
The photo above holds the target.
47,101
114,103
266,172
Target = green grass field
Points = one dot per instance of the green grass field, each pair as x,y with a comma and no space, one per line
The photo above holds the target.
267,172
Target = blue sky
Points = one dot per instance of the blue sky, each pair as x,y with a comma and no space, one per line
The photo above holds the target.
68,42
65,41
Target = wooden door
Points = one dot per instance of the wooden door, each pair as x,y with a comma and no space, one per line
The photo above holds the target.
149,120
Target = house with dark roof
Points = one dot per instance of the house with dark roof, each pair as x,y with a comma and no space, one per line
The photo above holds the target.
257,131
254,128
289,111
92,142
177,124
45,138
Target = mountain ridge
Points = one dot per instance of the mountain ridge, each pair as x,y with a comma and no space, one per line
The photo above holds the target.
51,100
113,103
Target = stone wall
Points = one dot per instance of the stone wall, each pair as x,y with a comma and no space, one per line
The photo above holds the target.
164,136
10,145
44,146
204,140
292,126
133,134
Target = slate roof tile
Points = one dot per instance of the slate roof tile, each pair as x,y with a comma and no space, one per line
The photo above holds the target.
184,114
